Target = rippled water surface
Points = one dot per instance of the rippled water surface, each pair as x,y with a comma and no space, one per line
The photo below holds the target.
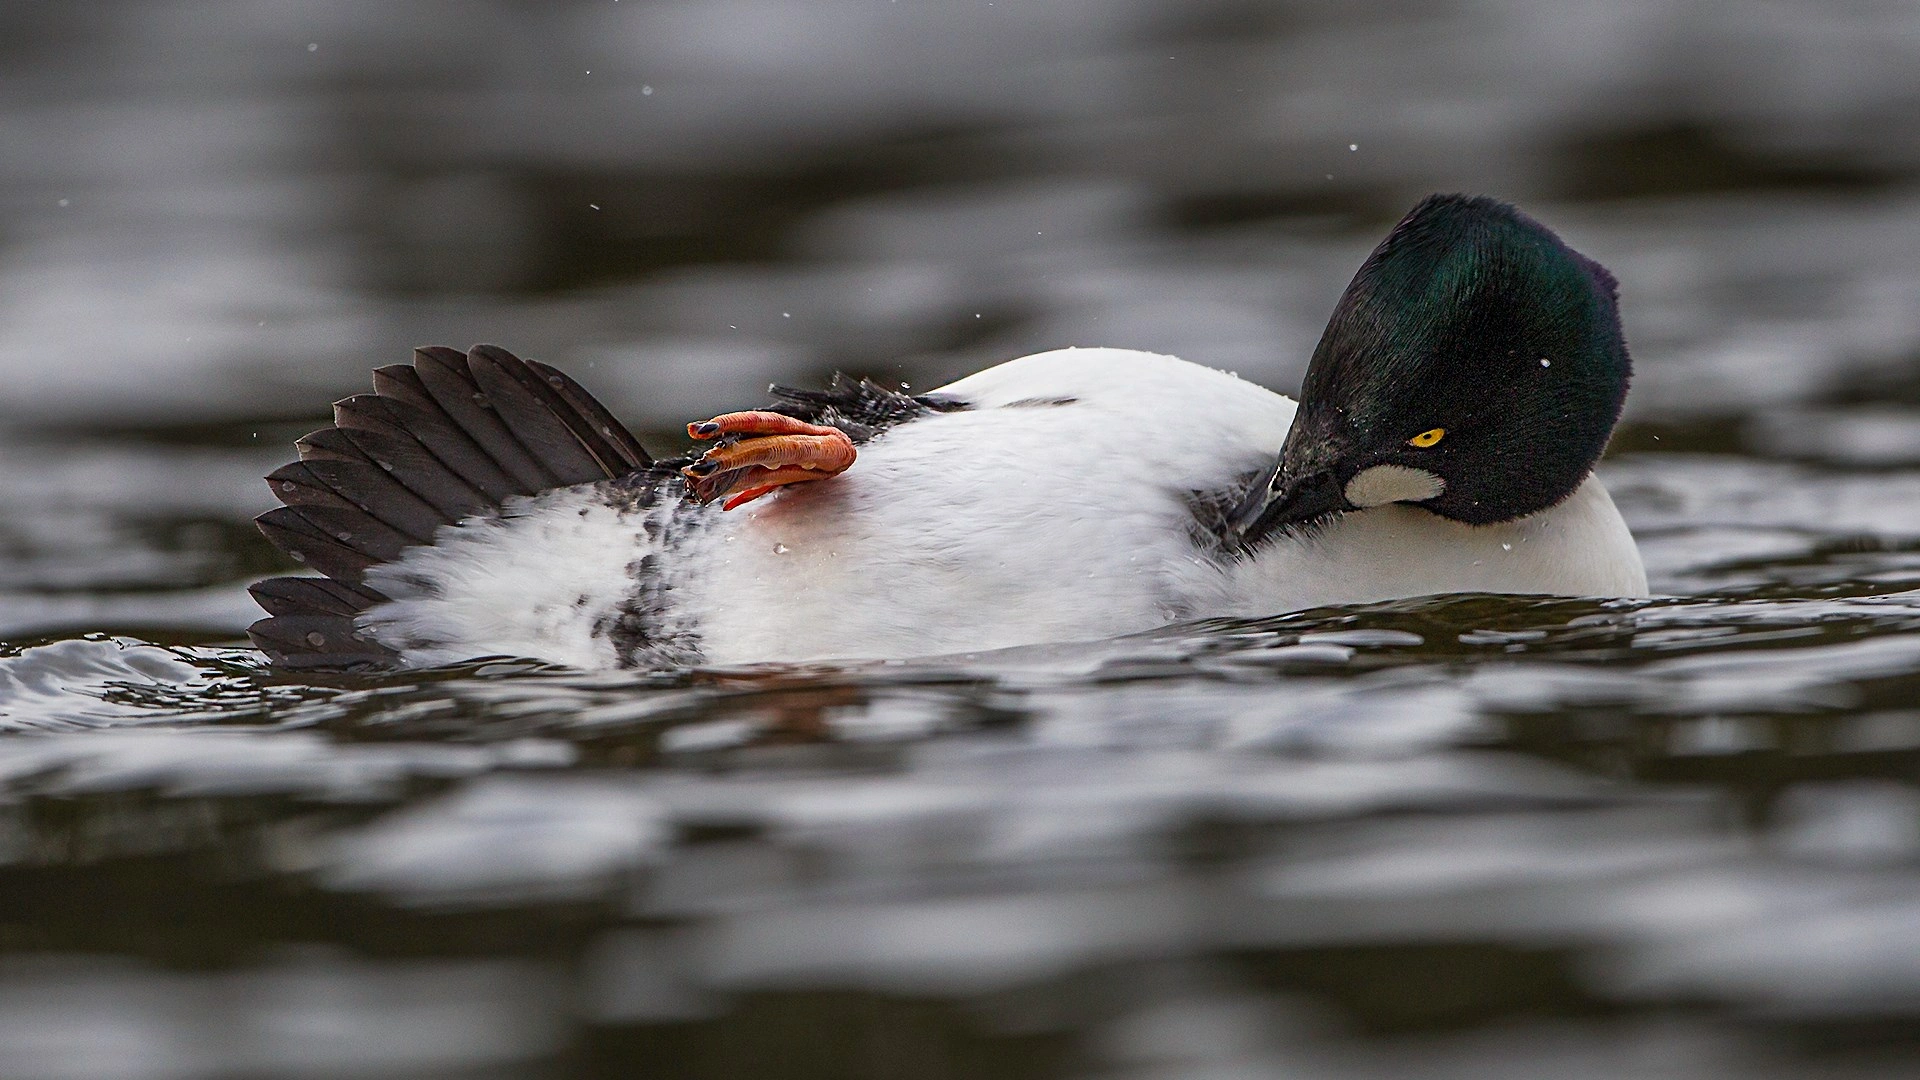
1467,836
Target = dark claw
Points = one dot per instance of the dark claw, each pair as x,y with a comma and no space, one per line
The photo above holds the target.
703,467
706,489
703,430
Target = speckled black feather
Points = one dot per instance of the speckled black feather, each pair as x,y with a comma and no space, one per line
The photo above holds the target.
860,407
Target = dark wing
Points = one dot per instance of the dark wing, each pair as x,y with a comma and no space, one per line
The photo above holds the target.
453,435
860,407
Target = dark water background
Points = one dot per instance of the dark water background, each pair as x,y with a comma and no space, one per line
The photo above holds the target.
1465,838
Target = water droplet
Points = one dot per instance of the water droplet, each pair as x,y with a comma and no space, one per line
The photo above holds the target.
64,202
1506,547
1544,362
316,639
781,549
1352,146
646,91
313,46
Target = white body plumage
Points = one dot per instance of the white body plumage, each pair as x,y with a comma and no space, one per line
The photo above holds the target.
1059,506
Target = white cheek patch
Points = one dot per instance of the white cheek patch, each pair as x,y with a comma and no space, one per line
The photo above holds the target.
1385,484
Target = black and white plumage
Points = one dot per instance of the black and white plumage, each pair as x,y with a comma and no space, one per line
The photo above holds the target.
482,505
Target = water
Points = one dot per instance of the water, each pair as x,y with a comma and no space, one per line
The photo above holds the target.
1461,837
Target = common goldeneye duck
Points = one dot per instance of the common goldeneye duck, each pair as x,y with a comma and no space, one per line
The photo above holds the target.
478,504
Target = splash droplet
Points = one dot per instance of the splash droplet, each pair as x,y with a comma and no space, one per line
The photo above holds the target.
781,549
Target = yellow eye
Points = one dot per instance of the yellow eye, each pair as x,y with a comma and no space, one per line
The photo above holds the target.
1428,437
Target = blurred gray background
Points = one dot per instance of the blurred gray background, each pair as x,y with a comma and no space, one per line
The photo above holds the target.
230,210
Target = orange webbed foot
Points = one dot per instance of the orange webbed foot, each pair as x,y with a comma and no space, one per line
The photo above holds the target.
762,451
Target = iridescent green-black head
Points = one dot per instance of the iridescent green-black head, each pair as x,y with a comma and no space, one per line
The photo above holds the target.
1474,367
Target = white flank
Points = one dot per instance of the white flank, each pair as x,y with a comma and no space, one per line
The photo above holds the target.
533,581
1013,522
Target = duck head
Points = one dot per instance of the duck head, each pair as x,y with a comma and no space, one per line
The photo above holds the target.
1474,367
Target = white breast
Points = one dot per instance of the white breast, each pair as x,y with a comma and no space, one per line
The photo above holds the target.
1579,548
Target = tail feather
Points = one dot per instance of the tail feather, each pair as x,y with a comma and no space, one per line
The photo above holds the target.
412,431
359,484
312,546
451,436
318,641
411,465
623,452
534,419
449,379
399,382
312,596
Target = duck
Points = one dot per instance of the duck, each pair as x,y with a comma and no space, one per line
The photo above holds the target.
1470,377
